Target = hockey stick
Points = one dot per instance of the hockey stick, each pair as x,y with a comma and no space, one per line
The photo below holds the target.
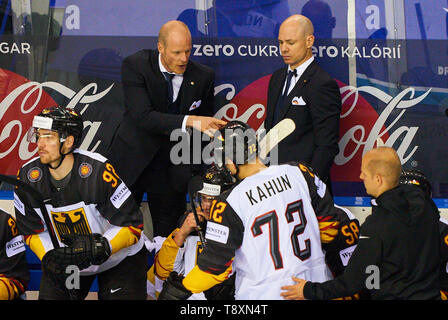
277,133
194,185
37,196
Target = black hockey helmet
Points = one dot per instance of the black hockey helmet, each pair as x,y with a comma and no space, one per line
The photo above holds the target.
66,122
216,180
414,176
236,141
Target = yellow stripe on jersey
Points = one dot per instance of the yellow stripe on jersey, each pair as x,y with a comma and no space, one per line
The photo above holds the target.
444,294
126,237
165,258
154,284
328,230
150,275
198,281
353,297
36,245
8,290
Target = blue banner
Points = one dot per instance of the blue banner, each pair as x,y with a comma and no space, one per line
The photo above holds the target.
388,57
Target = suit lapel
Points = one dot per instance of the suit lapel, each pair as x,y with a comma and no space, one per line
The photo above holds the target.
296,91
159,79
186,89
277,85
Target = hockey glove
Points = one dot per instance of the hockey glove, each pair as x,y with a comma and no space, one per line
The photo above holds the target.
82,251
222,291
173,289
95,246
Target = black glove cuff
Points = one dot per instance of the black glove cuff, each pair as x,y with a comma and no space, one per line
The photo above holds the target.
100,249
173,288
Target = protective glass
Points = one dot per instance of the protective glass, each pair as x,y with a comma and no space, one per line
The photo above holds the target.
206,202
33,135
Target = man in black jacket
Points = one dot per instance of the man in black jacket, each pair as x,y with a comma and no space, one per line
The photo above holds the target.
163,91
418,178
398,254
307,94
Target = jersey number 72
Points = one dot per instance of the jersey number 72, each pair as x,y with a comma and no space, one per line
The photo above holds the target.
271,219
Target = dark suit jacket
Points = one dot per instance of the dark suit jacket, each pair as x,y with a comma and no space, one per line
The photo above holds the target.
315,139
146,123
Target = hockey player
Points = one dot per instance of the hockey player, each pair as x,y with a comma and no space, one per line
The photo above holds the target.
14,274
92,225
180,250
416,177
268,227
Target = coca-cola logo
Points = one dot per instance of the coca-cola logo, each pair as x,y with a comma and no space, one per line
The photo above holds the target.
249,105
21,100
361,127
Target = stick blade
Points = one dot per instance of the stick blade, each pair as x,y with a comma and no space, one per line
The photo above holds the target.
277,133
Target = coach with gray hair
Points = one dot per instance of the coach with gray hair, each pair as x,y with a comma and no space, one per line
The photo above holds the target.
163,91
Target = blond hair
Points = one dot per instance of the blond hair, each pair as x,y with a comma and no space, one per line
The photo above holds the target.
385,162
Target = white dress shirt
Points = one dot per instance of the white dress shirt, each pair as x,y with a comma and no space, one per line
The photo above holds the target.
300,70
177,82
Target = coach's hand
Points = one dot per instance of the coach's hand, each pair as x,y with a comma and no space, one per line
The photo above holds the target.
207,125
294,292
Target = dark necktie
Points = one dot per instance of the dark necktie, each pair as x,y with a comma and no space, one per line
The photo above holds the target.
282,98
169,78
288,83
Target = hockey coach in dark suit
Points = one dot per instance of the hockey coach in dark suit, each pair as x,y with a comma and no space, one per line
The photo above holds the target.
163,91
305,93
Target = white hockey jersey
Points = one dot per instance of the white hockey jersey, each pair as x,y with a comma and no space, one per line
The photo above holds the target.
267,226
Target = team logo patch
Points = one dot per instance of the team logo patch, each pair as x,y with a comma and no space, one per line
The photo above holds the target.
34,174
85,170
70,222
